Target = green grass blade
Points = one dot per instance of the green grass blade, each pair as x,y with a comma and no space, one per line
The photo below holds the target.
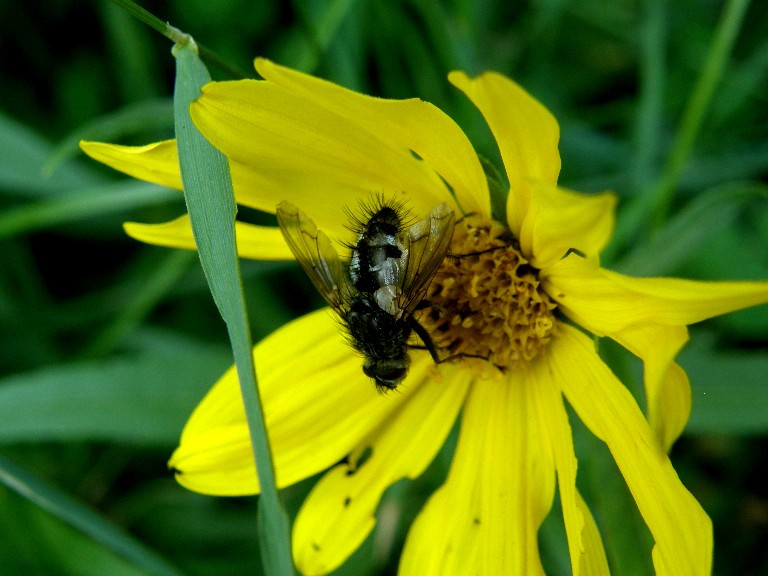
647,213
211,206
79,516
730,390
649,119
697,107
23,156
322,31
155,286
81,204
707,216
137,118
155,387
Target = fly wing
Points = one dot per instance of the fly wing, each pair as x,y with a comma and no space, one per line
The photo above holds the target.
317,256
427,243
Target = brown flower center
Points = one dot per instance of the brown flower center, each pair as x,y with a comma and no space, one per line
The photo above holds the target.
487,300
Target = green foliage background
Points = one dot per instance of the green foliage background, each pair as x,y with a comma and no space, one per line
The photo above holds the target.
106,345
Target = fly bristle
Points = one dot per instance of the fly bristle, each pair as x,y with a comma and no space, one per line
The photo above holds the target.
360,218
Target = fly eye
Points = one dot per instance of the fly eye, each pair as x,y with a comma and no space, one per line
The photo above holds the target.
391,373
386,373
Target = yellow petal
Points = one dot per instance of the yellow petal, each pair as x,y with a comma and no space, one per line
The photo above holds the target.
559,220
584,543
525,131
605,302
340,511
648,316
285,146
592,560
157,163
485,518
680,527
412,124
318,406
254,242
667,389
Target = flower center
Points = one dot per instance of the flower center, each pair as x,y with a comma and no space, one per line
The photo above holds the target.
487,300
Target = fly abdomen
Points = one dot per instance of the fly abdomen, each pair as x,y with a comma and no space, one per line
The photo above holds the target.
375,332
381,338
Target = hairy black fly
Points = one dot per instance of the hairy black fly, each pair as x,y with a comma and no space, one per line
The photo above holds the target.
376,294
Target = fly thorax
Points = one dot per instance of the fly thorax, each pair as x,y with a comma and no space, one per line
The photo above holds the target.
377,260
486,299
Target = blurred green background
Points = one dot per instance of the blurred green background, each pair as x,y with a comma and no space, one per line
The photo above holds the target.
106,345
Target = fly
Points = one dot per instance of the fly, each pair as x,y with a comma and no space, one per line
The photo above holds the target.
376,293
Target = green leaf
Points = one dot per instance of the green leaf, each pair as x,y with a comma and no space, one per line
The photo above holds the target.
211,205
730,390
83,518
143,116
140,398
323,28
684,234
23,155
80,204
48,546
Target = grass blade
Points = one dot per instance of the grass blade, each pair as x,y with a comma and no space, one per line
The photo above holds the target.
79,516
211,205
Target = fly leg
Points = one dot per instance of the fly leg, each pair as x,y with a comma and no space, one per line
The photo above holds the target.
429,344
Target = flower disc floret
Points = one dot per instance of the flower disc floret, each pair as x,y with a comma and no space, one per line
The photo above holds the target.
487,299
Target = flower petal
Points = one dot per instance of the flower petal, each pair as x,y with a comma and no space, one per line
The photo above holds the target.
667,389
648,316
680,527
318,406
285,146
340,511
605,302
559,220
584,543
485,518
254,242
592,560
412,124
157,163
525,131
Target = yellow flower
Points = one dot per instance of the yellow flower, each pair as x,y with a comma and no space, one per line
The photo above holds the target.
527,306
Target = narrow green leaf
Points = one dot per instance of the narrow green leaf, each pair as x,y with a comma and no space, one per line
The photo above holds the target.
322,28
730,390
497,187
80,204
647,212
46,545
652,72
697,106
708,214
23,154
155,285
140,398
147,115
747,161
211,205
133,54
83,518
